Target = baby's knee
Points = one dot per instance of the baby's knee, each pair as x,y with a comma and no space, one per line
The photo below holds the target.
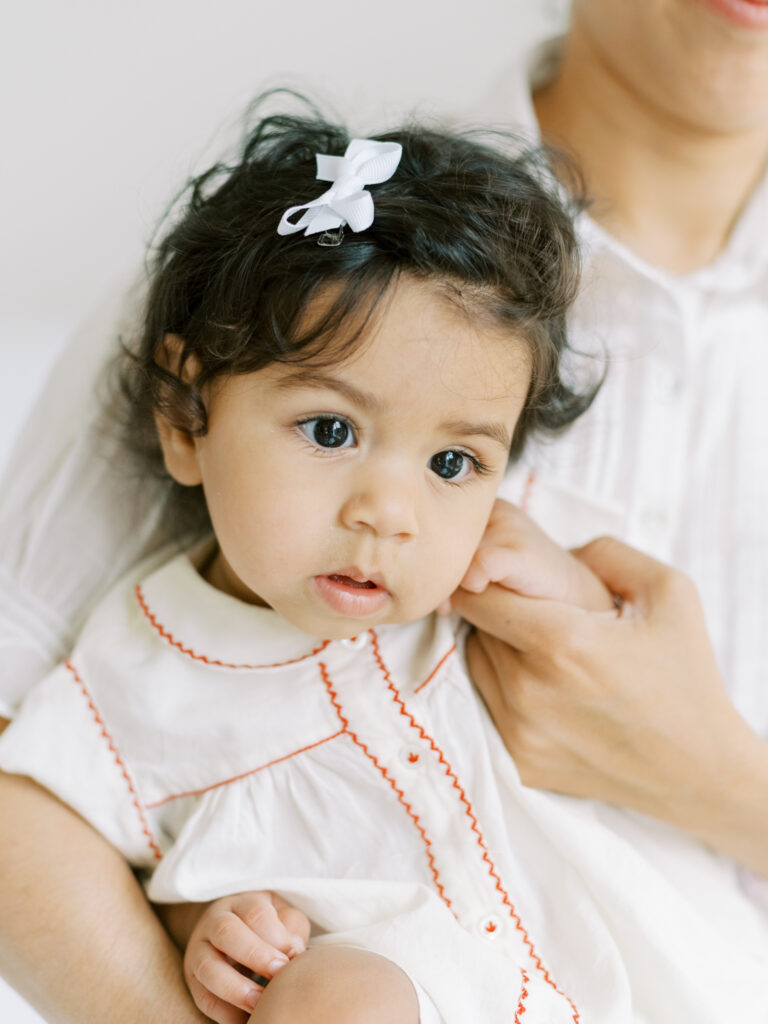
338,985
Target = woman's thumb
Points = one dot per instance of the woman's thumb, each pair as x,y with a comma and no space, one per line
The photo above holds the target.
627,572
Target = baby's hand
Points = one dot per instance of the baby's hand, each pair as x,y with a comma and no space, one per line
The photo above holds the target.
258,931
518,555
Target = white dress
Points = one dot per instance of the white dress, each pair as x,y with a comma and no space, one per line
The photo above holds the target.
220,749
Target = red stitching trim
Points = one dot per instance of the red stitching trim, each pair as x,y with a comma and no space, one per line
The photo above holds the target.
243,775
523,996
153,621
473,820
526,496
380,767
120,763
436,669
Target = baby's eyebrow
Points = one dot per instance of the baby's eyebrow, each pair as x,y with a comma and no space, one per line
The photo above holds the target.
368,400
465,428
311,378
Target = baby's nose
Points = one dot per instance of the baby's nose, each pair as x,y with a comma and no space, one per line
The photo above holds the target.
384,505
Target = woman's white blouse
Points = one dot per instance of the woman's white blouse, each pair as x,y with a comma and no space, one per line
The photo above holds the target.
672,458
220,749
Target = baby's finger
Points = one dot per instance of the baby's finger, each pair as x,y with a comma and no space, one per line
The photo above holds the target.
506,566
215,1008
217,986
476,578
260,913
246,943
297,923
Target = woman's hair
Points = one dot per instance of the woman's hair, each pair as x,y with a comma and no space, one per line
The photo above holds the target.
492,231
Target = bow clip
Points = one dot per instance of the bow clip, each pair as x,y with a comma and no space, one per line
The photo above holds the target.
365,162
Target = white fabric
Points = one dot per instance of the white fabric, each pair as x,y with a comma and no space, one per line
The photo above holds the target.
220,749
72,519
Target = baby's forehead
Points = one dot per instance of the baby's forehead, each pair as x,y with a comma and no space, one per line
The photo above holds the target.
340,324
415,364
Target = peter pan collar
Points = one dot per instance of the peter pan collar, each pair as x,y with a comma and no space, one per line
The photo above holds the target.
212,627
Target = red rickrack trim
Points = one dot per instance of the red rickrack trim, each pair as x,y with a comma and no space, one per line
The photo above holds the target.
163,632
120,763
473,822
243,775
383,771
436,669
523,996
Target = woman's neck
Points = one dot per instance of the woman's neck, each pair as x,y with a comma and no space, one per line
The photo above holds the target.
669,190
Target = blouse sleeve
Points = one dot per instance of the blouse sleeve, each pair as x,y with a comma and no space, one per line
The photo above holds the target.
71,517
59,739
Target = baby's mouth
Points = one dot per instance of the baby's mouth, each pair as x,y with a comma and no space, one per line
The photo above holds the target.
354,592
358,579
347,581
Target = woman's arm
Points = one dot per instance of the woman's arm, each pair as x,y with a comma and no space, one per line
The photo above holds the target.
631,710
78,939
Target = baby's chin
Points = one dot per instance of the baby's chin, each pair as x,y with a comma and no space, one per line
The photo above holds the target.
330,627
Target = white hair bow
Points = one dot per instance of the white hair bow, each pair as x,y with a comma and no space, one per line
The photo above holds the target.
365,162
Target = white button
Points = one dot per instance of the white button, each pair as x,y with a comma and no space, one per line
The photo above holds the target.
491,927
354,643
412,757
667,384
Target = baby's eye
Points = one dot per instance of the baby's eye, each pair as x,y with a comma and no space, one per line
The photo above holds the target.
328,432
451,464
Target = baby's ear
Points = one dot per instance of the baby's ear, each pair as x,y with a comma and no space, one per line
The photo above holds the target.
179,446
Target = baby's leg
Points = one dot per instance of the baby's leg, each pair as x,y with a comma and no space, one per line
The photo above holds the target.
338,985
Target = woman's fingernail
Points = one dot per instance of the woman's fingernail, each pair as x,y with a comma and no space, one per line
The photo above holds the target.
299,946
276,964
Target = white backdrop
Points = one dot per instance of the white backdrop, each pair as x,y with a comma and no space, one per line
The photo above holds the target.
110,105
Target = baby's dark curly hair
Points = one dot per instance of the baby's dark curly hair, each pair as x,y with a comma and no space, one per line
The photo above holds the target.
488,224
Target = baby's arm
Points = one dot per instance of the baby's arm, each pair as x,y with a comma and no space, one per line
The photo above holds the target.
518,555
257,931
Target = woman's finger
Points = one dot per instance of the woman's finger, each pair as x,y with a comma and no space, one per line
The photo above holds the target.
525,623
629,573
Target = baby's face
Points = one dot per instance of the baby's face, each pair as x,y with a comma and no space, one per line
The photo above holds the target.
353,495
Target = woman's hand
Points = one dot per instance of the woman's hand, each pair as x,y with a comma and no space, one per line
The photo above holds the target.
626,708
255,930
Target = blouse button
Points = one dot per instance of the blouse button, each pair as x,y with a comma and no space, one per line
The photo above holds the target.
667,384
411,757
491,926
354,643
